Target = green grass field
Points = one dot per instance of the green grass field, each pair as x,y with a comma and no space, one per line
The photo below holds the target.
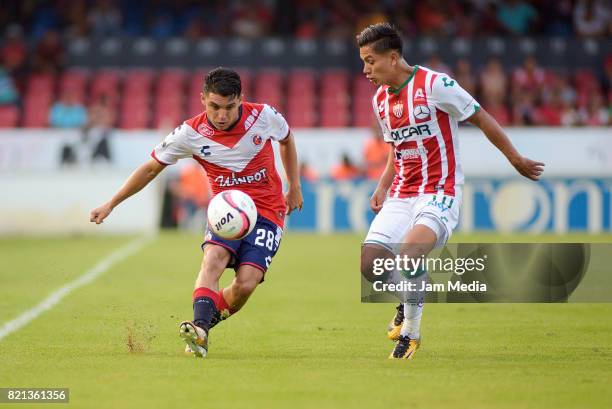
304,340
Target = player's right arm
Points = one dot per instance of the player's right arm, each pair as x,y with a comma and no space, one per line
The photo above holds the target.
134,184
174,147
380,194
386,179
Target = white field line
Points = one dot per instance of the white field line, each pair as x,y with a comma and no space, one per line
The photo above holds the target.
96,271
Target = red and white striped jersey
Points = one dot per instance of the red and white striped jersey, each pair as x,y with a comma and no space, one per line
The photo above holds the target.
240,158
420,119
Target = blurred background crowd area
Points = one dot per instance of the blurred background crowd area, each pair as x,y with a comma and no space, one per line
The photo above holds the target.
306,18
41,85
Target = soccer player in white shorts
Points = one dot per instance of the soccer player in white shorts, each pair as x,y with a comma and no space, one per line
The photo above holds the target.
418,197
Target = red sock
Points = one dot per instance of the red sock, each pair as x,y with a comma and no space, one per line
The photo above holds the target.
207,292
223,305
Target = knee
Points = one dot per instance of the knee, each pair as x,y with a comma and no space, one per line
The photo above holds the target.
372,257
245,287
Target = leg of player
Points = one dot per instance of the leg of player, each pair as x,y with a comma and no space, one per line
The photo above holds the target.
419,241
369,253
206,300
247,279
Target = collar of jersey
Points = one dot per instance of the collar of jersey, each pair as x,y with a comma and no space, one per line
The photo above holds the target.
231,127
398,89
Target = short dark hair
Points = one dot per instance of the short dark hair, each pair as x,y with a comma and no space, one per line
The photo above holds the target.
382,37
223,81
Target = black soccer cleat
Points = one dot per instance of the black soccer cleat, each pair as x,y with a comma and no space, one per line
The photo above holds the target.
395,326
405,348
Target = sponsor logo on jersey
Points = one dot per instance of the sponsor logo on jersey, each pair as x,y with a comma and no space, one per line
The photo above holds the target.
381,107
410,131
249,121
398,109
205,130
421,112
257,140
233,180
419,94
412,153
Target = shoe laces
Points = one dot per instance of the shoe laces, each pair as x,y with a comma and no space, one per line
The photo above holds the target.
402,346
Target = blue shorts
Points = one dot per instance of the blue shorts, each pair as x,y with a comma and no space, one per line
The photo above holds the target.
256,249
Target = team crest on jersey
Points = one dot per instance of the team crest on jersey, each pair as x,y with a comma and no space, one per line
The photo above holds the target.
205,130
421,112
257,140
419,94
398,109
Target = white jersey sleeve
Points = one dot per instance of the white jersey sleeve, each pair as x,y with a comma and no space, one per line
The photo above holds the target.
448,96
175,146
276,125
381,123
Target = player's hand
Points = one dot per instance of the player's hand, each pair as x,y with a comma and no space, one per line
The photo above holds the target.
294,199
528,168
98,214
377,200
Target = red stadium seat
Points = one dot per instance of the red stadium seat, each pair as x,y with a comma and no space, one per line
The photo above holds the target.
268,89
36,112
105,82
334,111
41,84
301,99
301,82
246,82
169,112
74,81
135,102
363,91
134,113
9,116
334,104
169,99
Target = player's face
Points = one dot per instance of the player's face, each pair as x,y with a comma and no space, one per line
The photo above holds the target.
377,67
221,111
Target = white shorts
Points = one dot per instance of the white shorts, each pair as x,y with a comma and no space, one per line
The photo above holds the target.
397,216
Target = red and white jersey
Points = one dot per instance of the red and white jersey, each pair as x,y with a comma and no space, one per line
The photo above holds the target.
421,120
239,158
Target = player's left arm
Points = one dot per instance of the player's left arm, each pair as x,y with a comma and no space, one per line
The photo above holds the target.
494,132
288,154
457,102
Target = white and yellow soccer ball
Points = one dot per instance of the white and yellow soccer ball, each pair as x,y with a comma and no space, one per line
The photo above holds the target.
232,214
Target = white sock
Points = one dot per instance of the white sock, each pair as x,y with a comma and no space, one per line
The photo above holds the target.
412,320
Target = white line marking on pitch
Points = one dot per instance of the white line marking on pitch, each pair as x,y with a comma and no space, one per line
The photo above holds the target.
103,265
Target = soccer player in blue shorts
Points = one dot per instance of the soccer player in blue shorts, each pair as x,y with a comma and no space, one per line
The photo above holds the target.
232,140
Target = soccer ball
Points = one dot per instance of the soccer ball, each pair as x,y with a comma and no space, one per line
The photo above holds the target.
232,214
